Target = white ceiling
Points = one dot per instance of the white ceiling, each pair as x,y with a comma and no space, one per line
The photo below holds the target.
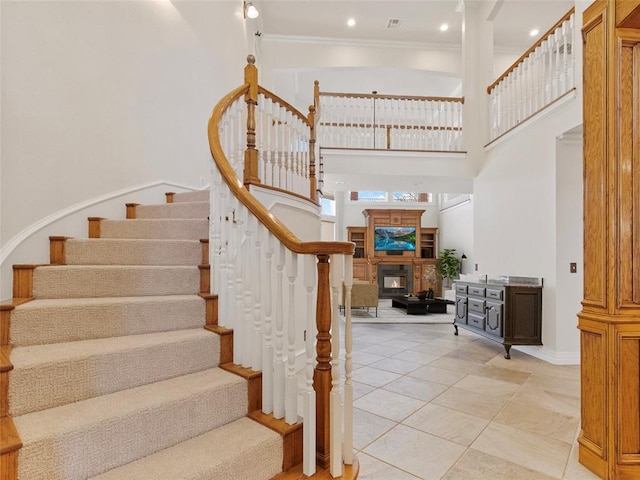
419,19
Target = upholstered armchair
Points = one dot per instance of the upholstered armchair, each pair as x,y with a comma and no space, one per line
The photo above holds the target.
363,294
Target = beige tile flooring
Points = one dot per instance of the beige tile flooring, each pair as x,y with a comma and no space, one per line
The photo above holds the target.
434,406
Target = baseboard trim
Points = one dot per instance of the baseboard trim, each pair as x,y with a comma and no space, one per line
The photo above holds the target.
40,224
550,356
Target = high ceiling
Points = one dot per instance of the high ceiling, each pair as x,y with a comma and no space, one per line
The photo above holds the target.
419,20
418,23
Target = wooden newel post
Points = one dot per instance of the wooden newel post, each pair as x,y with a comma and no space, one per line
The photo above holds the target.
251,98
313,193
322,372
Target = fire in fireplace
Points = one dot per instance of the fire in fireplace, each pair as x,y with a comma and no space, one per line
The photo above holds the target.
394,280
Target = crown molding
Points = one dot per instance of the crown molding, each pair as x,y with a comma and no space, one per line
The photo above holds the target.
447,47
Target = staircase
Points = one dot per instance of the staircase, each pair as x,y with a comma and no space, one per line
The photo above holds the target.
114,376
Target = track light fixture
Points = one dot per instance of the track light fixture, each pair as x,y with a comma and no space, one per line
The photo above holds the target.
250,11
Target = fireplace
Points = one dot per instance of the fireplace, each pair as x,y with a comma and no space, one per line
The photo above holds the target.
394,280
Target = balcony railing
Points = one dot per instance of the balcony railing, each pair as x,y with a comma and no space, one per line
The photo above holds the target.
540,77
389,122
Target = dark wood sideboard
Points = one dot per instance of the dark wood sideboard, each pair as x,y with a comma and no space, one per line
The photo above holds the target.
507,314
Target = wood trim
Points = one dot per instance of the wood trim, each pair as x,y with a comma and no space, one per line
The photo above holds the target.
10,444
5,322
531,49
204,243
211,308
169,197
5,367
205,278
57,250
291,436
350,472
226,342
393,97
94,226
131,210
23,281
254,383
322,372
275,226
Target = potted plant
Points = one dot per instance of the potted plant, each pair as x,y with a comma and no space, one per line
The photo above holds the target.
448,266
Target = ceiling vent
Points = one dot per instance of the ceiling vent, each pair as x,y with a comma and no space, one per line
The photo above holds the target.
394,23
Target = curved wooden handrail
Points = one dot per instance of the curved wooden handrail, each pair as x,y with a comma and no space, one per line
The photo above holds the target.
531,49
275,226
285,104
392,97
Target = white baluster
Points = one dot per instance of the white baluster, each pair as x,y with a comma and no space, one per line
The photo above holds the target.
348,363
291,390
267,348
278,374
257,285
309,394
335,397
248,264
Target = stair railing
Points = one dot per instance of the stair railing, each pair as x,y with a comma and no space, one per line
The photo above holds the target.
265,277
544,74
389,122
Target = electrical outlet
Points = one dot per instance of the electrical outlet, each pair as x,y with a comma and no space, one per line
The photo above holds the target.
476,267
203,181
573,267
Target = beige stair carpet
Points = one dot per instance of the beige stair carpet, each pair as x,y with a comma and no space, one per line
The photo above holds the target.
86,438
195,196
174,210
67,320
238,451
183,229
74,281
47,376
111,251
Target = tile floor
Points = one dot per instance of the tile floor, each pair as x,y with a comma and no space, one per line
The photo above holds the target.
430,405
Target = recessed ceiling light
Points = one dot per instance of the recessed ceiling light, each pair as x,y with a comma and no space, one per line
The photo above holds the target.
351,22
534,32
444,27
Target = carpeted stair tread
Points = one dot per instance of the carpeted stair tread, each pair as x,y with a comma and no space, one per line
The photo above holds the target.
47,376
240,450
45,321
174,210
187,229
196,196
73,281
112,251
86,438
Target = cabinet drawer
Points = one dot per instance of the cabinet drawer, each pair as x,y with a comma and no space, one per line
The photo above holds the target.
477,291
461,288
495,294
475,320
476,305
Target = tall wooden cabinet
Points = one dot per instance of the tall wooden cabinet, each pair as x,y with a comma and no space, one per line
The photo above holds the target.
366,260
609,322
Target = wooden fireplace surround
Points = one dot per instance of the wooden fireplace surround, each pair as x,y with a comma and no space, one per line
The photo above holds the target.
366,259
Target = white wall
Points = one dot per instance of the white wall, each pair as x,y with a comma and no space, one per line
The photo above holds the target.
569,242
102,97
516,227
456,231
